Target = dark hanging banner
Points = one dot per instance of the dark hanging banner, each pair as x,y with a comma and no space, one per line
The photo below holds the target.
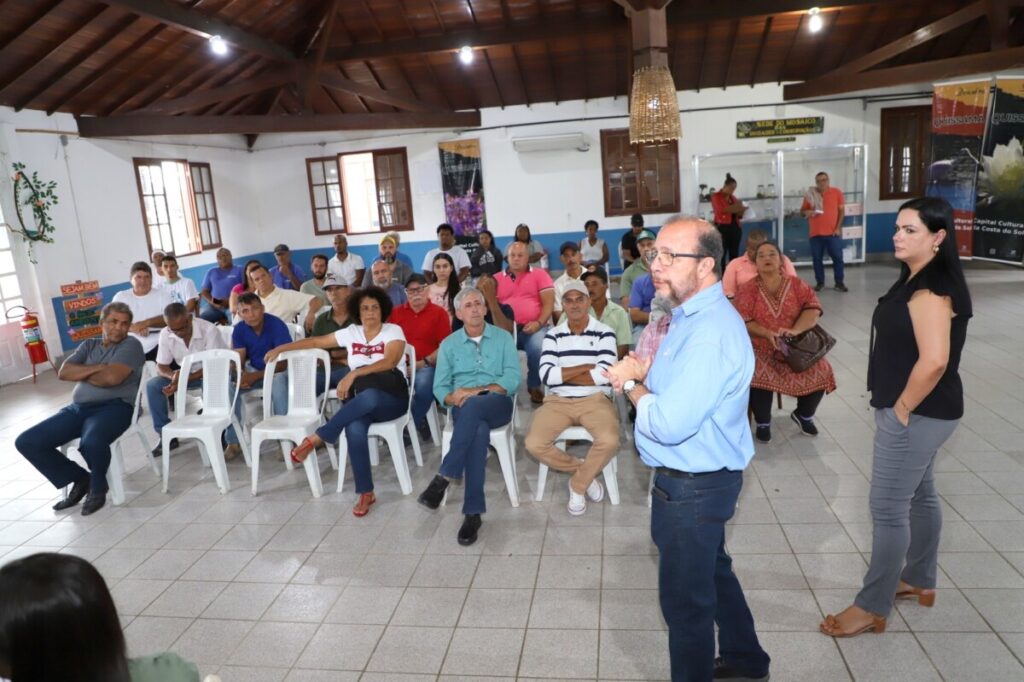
775,127
462,181
999,213
959,112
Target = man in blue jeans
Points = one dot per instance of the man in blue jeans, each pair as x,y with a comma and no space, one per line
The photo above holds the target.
107,371
825,209
477,376
691,426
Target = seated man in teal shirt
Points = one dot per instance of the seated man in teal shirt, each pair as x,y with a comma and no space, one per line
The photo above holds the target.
477,376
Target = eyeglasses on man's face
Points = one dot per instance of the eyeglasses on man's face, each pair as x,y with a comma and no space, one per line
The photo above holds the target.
667,258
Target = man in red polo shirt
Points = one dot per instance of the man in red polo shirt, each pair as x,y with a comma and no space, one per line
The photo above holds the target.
425,326
531,294
825,210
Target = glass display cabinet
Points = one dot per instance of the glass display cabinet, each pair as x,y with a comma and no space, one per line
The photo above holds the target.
772,183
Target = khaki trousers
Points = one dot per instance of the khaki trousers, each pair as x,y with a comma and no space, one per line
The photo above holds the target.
595,413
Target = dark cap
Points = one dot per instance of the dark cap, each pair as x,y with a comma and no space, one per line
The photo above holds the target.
566,246
281,248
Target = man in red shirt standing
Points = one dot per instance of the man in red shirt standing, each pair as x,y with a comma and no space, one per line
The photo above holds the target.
825,210
425,326
531,294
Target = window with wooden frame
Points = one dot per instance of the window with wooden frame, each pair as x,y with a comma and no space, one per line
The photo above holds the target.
360,192
178,207
638,178
906,148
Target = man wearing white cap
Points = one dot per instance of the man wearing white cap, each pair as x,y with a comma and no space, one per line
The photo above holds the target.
572,363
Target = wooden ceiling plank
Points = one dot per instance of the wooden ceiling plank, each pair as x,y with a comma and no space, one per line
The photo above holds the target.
261,83
703,56
380,86
784,68
912,40
332,79
825,41
703,12
728,54
437,82
205,26
310,80
998,12
42,9
35,60
550,62
984,62
494,78
124,126
760,48
401,69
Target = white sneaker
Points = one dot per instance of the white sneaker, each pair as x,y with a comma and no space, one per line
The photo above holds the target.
595,491
577,503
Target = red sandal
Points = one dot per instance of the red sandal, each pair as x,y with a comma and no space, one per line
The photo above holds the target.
362,507
301,452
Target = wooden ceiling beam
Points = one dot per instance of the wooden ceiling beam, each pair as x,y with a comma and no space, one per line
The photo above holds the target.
825,40
327,30
266,81
760,49
129,126
192,21
968,65
784,68
729,51
334,80
918,37
702,12
998,12
42,9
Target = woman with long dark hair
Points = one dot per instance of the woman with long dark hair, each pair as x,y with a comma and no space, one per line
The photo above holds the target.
918,332
244,286
487,259
446,283
728,209
58,622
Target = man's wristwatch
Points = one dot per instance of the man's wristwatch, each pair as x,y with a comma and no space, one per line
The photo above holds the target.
630,385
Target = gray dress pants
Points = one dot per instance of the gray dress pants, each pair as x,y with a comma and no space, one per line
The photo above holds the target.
904,507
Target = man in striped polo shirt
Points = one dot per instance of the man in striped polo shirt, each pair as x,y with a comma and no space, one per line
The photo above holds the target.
574,356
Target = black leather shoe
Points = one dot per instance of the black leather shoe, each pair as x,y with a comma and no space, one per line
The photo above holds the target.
93,503
819,286
763,433
432,496
78,491
467,534
724,671
158,451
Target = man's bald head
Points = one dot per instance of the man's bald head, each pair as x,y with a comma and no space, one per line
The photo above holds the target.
696,250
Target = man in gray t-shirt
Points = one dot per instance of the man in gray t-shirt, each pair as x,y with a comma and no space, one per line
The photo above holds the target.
107,373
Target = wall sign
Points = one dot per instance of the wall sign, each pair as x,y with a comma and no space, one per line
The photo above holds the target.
462,181
999,212
82,311
774,127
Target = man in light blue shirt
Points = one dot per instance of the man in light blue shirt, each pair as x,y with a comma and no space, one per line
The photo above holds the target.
477,376
691,425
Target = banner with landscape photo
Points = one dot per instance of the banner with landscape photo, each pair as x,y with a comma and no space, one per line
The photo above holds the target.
999,213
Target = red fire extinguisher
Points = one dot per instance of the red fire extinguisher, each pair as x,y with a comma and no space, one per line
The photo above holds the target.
33,335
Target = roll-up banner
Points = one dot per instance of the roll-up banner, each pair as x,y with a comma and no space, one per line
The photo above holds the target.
959,111
999,212
462,181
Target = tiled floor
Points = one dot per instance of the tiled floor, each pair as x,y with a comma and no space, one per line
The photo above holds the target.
284,587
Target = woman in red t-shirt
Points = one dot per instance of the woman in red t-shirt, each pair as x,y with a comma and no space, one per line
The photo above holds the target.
727,218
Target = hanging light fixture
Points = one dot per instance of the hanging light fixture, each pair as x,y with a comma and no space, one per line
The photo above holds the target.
218,46
653,107
816,22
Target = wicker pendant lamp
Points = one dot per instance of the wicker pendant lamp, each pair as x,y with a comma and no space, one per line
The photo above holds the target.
653,106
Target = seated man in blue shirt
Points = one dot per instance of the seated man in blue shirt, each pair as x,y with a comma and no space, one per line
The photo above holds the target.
254,336
215,291
691,426
640,297
477,376
286,275
106,372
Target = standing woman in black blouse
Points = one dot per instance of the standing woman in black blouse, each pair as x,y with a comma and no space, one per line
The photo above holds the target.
919,328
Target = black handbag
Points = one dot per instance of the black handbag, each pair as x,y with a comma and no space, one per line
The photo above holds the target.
803,350
391,381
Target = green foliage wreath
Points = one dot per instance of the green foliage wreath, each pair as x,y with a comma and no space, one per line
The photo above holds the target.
39,196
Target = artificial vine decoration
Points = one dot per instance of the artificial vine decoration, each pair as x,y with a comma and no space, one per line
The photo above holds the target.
40,197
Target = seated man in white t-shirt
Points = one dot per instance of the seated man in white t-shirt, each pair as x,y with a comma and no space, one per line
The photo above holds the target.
147,304
375,390
182,289
286,304
446,244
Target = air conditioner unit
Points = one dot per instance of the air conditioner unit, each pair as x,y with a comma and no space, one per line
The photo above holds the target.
551,143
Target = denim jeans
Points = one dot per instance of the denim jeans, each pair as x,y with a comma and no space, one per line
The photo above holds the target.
354,418
211,314
533,344
96,424
158,404
278,402
696,583
834,246
467,455
337,374
424,395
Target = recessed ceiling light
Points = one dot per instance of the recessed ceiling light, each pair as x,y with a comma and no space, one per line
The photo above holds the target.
815,23
218,46
466,54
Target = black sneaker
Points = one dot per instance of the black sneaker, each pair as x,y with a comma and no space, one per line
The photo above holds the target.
432,496
724,671
841,287
158,451
819,286
78,491
763,433
423,429
807,426
467,534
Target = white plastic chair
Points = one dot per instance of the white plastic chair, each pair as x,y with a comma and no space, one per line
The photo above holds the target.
391,432
218,412
503,440
611,469
297,331
305,411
